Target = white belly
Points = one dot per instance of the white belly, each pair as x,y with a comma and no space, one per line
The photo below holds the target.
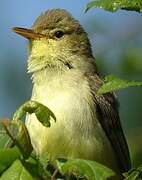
77,132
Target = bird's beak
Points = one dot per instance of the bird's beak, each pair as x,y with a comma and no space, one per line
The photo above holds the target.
28,33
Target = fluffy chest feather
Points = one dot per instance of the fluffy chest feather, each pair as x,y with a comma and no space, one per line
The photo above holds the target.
77,132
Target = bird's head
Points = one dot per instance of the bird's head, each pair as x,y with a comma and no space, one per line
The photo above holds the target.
54,39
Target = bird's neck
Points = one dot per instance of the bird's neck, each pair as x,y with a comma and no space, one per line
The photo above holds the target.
43,69
46,75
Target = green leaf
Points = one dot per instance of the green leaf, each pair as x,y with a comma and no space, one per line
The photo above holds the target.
133,174
32,166
103,4
114,5
89,169
5,140
112,84
42,112
7,157
17,131
17,172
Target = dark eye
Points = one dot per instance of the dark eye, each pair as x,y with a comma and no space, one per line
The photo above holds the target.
59,34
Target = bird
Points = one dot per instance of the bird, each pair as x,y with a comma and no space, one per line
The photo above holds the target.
66,80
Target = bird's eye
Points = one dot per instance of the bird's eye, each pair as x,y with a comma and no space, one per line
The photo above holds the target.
59,34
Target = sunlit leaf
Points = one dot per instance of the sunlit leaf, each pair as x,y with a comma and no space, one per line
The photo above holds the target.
17,171
7,156
114,5
89,169
42,112
112,84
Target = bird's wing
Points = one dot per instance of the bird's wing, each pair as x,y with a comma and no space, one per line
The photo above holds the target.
107,113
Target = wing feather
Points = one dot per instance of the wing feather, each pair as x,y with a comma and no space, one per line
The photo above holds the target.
107,112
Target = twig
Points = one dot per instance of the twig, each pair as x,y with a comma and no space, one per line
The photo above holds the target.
54,174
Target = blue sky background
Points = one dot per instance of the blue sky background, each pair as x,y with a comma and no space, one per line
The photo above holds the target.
114,37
